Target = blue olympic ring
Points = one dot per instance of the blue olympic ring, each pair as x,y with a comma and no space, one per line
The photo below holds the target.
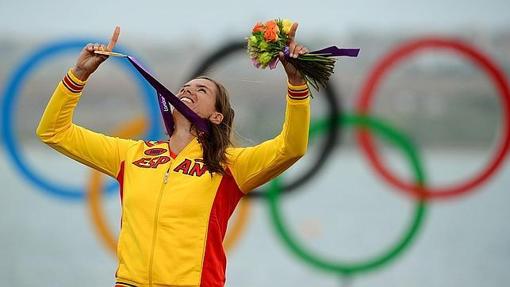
9,100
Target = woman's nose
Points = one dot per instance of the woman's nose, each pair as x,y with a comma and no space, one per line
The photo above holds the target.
188,90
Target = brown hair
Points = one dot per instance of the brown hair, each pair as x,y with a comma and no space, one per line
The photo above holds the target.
219,138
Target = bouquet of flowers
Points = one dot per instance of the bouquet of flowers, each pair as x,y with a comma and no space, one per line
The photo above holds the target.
268,39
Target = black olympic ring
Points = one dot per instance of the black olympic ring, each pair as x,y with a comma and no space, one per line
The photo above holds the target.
334,112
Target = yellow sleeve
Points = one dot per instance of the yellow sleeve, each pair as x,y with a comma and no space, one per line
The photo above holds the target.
254,166
56,129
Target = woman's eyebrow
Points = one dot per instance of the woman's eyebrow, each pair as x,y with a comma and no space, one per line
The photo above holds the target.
199,86
204,86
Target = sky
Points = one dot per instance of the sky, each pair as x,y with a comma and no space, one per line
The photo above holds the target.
171,21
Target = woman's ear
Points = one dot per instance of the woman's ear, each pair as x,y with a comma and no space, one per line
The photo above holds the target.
216,118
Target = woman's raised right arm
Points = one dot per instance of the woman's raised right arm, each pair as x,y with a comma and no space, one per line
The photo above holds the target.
56,128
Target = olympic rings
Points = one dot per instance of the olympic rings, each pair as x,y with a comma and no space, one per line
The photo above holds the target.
334,111
366,97
9,100
343,268
136,127
332,123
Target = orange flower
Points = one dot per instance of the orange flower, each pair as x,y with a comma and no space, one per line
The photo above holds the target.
270,35
272,25
259,27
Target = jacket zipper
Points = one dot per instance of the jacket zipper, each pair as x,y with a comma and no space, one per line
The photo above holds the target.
155,228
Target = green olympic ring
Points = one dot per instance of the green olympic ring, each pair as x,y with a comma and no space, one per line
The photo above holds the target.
348,269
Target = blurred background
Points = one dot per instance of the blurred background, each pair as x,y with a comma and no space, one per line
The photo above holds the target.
58,223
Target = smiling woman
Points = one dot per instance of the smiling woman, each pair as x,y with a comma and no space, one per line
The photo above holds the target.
209,99
177,194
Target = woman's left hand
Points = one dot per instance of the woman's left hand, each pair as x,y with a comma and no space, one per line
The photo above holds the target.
294,76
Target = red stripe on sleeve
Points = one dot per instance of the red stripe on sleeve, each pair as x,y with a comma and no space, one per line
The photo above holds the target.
298,94
72,86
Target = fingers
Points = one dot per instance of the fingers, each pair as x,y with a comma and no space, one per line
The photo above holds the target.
92,47
292,47
96,47
281,56
302,50
292,31
100,47
114,39
296,50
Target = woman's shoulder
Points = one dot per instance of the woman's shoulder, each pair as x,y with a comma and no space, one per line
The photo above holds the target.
233,152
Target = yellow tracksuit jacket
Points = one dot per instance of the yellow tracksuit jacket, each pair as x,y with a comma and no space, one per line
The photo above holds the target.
174,214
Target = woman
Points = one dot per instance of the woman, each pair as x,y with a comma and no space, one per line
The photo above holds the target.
177,195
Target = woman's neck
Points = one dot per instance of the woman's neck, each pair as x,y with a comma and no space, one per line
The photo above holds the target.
182,134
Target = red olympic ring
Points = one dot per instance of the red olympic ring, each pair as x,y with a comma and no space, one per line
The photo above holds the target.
366,96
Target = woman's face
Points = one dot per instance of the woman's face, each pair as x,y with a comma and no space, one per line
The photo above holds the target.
200,96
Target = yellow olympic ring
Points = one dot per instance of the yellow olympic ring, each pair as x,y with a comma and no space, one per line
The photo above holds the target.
94,200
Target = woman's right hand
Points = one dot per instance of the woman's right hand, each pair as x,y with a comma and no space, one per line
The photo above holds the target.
293,75
88,61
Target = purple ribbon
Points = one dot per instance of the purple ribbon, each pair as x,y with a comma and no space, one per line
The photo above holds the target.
165,98
334,51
